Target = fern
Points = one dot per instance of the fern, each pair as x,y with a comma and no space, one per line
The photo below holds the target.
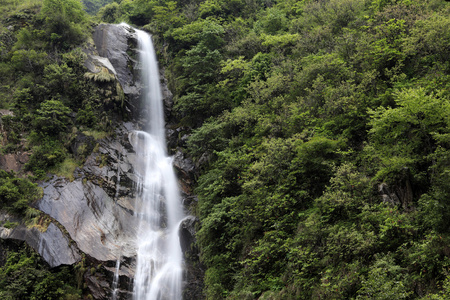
102,76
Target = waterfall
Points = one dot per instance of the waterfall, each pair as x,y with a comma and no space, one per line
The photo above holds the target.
115,285
158,274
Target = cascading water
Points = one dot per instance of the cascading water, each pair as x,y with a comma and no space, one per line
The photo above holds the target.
159,263
115,284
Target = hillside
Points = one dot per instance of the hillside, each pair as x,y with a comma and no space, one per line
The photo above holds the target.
53,114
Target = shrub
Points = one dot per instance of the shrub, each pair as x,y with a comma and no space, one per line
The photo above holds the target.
17,193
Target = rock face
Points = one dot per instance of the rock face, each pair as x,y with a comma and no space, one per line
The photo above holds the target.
112,43
52,244
14,161
100,228
194,269
97,207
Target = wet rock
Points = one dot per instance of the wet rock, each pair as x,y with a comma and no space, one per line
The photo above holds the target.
126,273
187,233
387,196
112,42
189,202
167,97
177,138
116,48
52,245
401,193
82,145
97,210
184,166
112,168
98,285
194,269
98,226
55,249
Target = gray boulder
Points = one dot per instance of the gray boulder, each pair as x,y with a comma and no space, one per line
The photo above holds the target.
54,247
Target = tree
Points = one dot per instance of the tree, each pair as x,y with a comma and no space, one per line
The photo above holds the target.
92,6
404,135
16,193
109,13
52,117
65,21
385,281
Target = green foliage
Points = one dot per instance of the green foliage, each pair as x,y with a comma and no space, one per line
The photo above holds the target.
428,41
443,294
208,32
9,224
92,6
348,192
197,94
102,76
66,168
97,135
65,22
379,5
59,77
17,193
12,129
44,87
301,110
166,16
406,135
109,13
24,276
30,39
273,21
385,280
45,156
27,61
86,116
71,9
52,117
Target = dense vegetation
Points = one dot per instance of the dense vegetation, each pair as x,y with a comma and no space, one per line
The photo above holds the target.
321,133
51,100
25,276
53,97
320,129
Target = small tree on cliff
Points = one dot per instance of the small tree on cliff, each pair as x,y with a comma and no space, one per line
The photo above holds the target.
64,20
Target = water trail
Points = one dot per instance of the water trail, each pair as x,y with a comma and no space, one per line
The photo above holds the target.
115,285
159,263
116,196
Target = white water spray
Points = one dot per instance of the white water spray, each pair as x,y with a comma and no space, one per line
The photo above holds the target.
115,285
159,263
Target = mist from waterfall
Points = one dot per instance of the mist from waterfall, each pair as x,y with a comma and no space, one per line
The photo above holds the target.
159,262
